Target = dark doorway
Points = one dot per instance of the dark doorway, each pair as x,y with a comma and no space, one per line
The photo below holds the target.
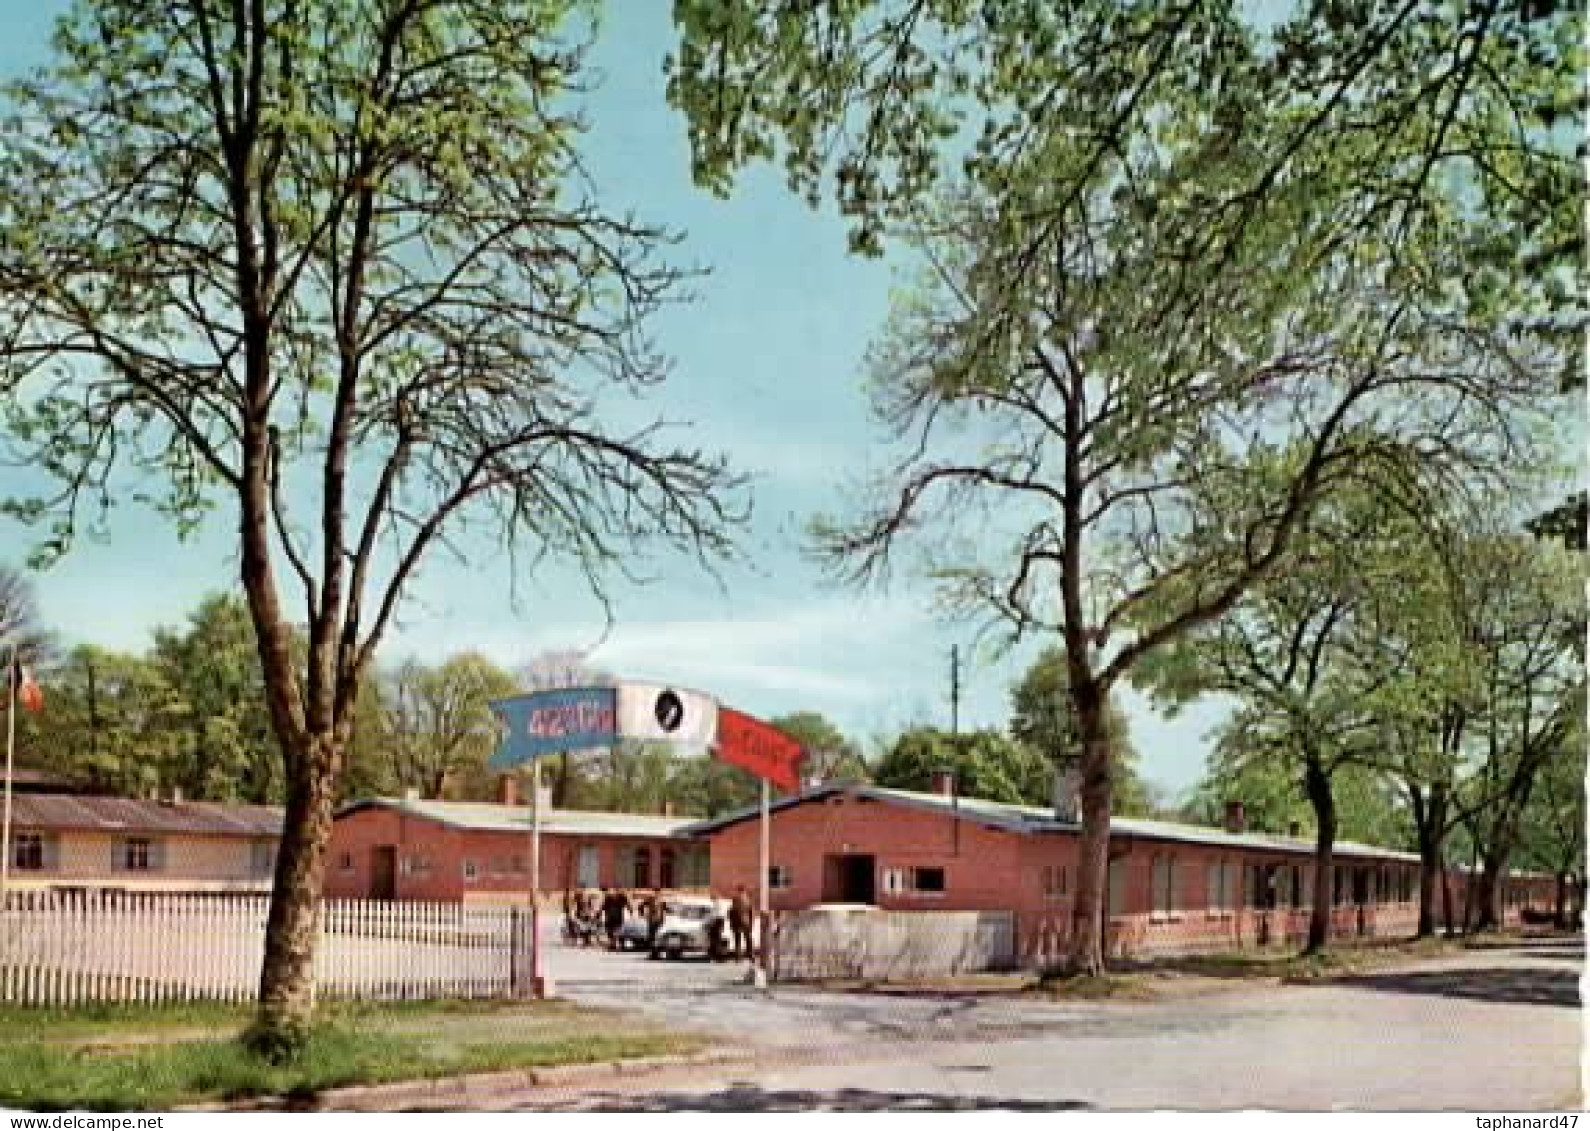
849,879
383,873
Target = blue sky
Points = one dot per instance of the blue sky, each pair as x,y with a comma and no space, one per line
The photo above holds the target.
768,365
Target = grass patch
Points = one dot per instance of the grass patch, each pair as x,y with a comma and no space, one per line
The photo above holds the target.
43,1077
156,1057
1103,987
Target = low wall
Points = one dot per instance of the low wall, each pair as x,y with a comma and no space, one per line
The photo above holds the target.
873,945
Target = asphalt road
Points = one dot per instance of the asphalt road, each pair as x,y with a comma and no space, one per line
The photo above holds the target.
1488,1031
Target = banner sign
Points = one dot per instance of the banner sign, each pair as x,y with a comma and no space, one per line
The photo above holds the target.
554,722
765,750
651,712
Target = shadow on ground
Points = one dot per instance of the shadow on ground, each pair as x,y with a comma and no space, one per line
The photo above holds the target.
1506,985
749,1097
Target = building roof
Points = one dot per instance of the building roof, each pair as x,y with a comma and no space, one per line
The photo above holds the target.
480,816
133,815
1035,819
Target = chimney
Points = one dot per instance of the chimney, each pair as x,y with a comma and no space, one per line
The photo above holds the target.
1067,794
1236,817
943,780
668,808
507,789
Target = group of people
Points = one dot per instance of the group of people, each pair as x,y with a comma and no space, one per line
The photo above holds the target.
592,917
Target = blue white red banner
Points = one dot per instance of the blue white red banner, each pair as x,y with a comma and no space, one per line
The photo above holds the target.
554,722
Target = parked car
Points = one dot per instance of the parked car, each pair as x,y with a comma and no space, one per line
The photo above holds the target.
689,926
635,934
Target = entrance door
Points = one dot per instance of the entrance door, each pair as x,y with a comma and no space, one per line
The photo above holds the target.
589,868
383,872
850,879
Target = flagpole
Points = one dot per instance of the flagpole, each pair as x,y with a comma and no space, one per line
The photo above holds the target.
538,986
11,743
759,974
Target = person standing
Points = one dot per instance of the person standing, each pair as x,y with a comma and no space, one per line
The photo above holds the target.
740,922
615,905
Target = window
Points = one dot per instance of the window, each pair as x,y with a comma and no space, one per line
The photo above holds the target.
1054,881
1164,883
1296,898
926,881
138,854
1222,882
345,862
416,865
32,852
471,870
1117,886
642,874
665,868
778,877
261,857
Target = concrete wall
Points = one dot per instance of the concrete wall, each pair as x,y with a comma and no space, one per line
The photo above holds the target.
871,944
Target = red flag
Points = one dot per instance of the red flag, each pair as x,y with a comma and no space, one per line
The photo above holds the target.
764,750
29,694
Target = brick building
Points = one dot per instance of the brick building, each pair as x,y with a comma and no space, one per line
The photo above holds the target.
1173,888
386,848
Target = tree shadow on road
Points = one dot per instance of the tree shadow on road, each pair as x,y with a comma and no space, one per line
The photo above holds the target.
749,1097
1506,985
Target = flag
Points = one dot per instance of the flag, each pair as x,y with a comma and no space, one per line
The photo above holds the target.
765,750
27,689
650,712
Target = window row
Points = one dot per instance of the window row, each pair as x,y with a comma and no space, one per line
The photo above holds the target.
41,852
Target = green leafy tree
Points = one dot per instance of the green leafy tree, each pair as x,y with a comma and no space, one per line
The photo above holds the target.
1159,241
436,725
706,787
987,765
830,756
1042,716
228,750
334,265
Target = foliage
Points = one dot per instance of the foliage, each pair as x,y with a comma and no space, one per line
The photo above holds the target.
435,725
1044,717
830,756
337,265
987,765
21,628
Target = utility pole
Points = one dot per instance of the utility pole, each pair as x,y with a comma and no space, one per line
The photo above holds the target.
955,689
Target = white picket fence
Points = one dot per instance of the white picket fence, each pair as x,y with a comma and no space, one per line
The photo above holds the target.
67,948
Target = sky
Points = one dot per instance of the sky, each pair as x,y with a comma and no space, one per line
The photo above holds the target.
768,369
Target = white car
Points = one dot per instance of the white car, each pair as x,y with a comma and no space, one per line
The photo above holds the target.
688,927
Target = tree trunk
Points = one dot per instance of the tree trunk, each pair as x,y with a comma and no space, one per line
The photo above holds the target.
1317,783
287,983
1431,868
1093,853
1488,894
1430,819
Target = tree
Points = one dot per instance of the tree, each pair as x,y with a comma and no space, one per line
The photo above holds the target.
336,266
882,97
1133,293
228,750
21,629
113,724
707,787
986,764
1042,716
1530,626
436,724
830,756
